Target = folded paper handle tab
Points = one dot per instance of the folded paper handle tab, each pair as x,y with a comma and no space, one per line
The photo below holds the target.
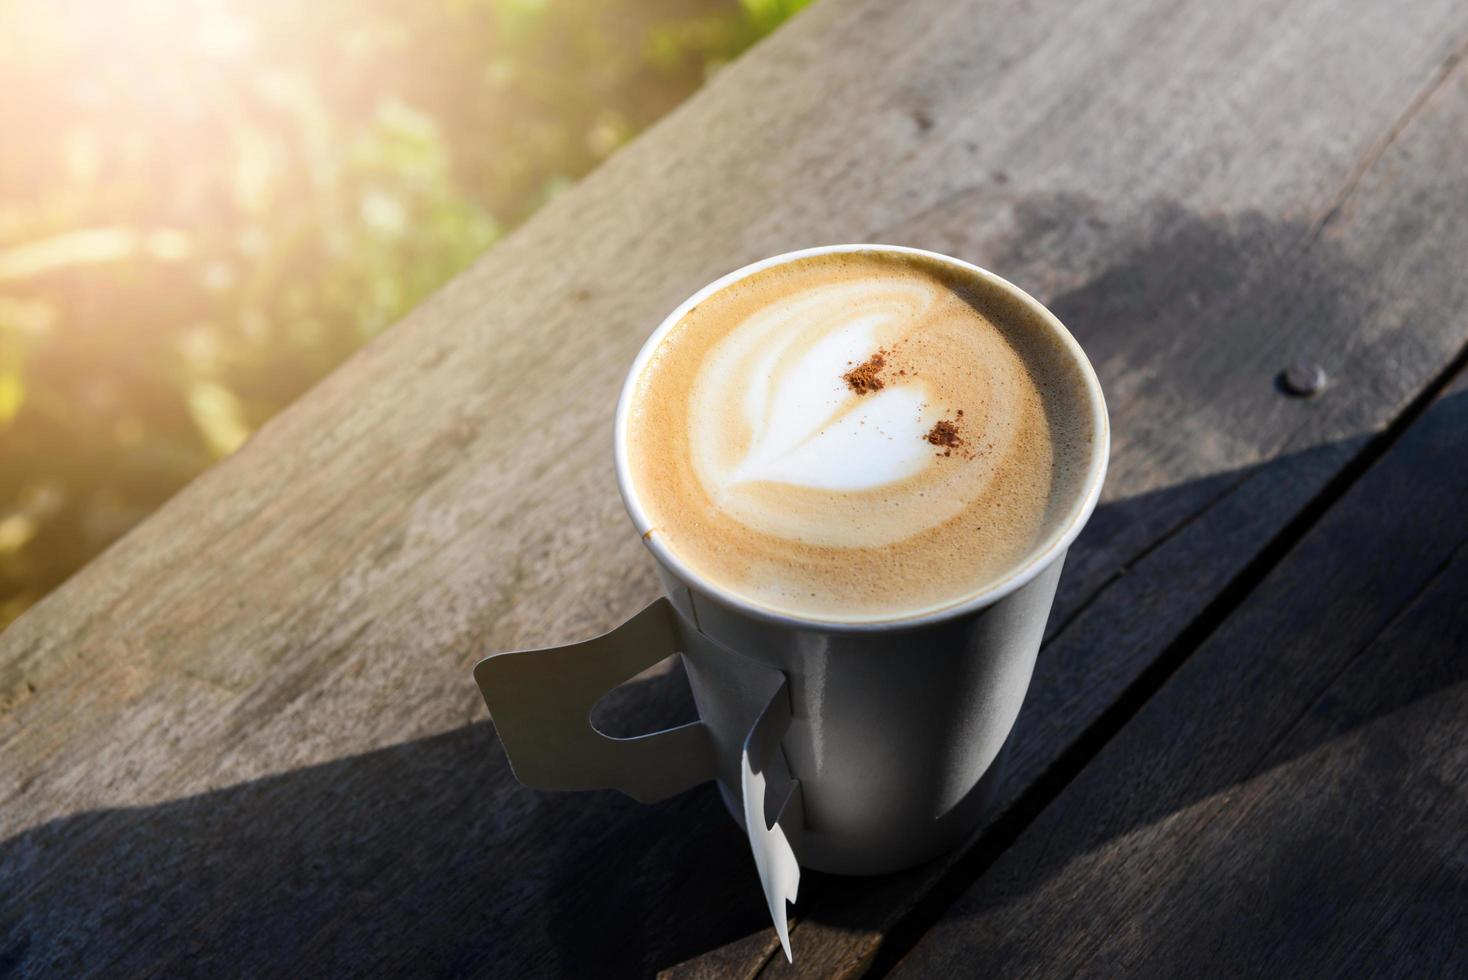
773,811
541,703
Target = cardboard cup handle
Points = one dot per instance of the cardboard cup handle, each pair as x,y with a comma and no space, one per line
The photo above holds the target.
541,702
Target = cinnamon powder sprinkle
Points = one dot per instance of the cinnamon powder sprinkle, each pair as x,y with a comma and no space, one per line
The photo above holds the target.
944,434
866,377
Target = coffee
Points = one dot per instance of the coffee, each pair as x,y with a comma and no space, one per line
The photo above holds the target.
859,436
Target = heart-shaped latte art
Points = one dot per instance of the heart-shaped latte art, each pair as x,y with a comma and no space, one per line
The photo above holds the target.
812,431
783,444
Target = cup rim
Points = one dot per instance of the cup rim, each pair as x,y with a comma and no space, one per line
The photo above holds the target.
1024,571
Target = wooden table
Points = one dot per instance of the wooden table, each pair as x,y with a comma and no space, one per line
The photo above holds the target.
245,741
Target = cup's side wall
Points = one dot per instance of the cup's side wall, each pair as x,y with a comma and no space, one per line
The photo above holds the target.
894,736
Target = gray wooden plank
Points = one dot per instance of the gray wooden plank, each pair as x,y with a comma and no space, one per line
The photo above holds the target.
1293,801
246,736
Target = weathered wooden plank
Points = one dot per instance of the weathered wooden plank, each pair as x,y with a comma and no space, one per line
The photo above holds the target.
245,736
1292,802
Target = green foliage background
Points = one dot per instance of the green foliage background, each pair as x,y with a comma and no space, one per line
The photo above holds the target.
206,205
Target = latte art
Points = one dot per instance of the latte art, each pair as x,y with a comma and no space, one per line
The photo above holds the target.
857,436
801,421
771,405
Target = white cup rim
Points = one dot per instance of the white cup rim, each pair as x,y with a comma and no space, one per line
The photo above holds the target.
1023,572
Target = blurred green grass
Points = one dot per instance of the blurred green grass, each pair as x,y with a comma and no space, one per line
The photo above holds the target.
206,205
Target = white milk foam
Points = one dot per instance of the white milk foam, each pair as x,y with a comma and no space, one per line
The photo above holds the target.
810,429
766,470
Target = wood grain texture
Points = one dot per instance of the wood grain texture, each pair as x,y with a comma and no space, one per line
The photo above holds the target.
245,738
1292,802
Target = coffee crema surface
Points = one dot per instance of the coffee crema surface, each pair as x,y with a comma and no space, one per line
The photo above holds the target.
859,436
